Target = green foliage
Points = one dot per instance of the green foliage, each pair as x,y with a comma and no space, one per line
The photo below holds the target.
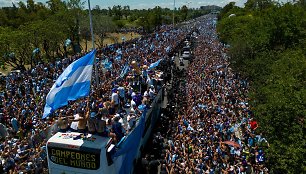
119,23
283,111
267,45
184,12
14,47
117,12
30,24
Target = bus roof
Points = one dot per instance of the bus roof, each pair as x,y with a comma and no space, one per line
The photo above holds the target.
73,140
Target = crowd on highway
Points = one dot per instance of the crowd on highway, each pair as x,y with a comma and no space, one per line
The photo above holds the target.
125,82
208,126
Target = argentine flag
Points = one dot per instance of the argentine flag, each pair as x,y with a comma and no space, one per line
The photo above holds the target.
124,71
72,84
155,64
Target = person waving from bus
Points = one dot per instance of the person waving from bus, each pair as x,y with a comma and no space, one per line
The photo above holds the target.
83,121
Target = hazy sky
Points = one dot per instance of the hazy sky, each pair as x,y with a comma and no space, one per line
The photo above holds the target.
141,4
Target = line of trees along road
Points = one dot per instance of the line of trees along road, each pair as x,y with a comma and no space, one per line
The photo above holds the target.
30,25
267,45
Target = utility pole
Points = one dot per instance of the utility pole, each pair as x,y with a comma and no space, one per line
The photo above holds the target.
93,43
173,14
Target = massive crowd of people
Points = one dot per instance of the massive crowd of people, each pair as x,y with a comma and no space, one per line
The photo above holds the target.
115,92
208,126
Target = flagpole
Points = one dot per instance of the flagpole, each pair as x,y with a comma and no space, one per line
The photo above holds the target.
93,43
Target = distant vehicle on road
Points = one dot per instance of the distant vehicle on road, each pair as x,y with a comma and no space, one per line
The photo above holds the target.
186,55
186,48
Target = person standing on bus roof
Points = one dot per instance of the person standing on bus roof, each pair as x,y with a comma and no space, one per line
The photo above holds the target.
100,126
81,120
115,98
91,122
74,123
117,129
63,124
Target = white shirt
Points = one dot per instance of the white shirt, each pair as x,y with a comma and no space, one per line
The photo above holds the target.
132,106
74,124
133,94
131,120
146,93
121,91
151,93
115,98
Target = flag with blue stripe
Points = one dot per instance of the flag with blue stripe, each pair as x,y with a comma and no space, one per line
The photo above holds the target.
72,84
155,64
118,57
152,47
124,71
108,65
168,49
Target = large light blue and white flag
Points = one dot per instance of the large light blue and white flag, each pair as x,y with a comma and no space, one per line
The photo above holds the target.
72,84
155,64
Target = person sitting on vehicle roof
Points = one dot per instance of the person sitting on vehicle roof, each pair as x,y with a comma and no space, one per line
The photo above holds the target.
63,124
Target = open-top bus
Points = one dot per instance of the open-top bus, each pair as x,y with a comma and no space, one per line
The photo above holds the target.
77,153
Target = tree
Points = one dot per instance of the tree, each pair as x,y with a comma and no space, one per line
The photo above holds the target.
267,45
283,112
56,5
85,30
102,26
3,18
126,11
117,12
75,9
15,48
31,6
155,17
226,9
258,4
184,12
